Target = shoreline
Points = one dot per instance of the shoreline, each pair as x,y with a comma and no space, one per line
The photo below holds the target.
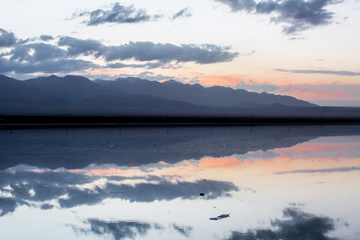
18,121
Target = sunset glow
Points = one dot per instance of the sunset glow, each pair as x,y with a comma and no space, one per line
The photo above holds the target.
210,42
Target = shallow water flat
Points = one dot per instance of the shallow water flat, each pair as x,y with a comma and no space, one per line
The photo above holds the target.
223,182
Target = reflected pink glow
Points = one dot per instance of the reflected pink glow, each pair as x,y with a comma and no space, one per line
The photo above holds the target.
310,155
75,170
311,147
106,172
209,162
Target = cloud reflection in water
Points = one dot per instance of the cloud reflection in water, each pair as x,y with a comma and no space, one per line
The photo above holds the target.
66,189
127,229
297,225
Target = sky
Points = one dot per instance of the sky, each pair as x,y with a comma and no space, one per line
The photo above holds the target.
306,49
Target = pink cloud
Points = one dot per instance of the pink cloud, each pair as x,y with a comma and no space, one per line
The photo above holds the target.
219,80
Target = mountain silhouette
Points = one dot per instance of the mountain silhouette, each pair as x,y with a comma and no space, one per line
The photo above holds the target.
79,95
197,94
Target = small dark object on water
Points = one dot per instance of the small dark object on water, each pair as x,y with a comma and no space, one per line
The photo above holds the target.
220,217
202,194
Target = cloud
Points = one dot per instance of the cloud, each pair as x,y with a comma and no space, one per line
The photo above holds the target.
182,14
296,38
78,47
65,55
338,73
149,65
334,91
46,37
327,170
148,51
7,205
47,66
7,39
248,53
256,155
239,5
296,225
256,87
295,15
41,57
117,14
39,52
156,77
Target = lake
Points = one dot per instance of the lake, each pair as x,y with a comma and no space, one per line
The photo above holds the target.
206,182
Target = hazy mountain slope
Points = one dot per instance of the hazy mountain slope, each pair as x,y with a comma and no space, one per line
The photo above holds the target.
73,88
79,95
11,88
197,94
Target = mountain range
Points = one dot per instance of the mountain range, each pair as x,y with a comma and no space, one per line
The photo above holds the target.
79,95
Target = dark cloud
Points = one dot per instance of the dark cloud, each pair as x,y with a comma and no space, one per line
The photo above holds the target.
239,5
46,37
39,52
149,65
49,66
297,225
148,51
23,41
296,15
63,57
182,14
338,73
77,47
41,57
117,14
7,205
122,65
7,39
327,170
46,206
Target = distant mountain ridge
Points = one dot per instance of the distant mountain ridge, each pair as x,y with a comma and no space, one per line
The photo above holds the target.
79,95
199,95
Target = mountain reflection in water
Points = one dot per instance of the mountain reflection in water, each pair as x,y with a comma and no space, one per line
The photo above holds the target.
146,183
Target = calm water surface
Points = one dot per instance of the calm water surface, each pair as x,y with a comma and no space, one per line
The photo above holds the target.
280,182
